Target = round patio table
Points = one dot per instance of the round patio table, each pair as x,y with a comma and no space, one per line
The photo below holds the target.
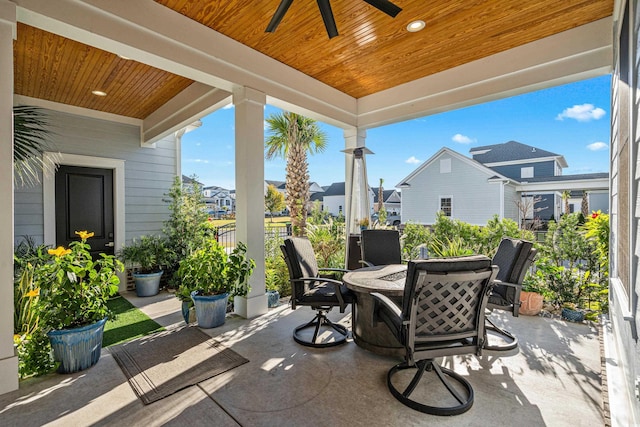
388,280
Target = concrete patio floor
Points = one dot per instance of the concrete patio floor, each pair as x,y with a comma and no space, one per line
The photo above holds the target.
554,379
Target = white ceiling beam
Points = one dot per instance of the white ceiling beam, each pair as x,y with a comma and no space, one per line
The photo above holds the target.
147,32
579,53
193,103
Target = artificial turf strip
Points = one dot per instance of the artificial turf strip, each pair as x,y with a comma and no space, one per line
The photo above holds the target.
129,323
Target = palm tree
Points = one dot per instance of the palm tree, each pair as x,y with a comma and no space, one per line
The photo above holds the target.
30,141
292,137
566,195
584,207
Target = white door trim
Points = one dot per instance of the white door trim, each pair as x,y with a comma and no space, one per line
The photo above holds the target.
49,191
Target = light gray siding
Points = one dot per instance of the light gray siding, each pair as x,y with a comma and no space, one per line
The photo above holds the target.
599,202
624,310
474,199
511,199
149,173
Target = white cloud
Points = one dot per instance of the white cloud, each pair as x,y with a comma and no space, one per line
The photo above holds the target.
412,160
582,113
197,161
597,146
462,139
228,106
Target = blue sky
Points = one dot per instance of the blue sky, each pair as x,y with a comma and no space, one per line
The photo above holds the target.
571,120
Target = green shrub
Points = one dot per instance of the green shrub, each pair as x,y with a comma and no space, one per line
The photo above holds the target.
570,264
413,237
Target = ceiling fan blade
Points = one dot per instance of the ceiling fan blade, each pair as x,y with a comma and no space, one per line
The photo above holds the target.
385,6
327,17
277,17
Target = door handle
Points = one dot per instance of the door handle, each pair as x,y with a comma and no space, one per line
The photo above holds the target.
110,244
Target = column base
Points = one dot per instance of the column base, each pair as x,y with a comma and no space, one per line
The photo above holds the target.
250,307
8,374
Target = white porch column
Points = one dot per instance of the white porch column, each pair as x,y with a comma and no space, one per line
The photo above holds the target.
353,138
249,115
8,359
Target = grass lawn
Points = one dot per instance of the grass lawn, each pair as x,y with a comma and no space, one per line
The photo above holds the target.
129,323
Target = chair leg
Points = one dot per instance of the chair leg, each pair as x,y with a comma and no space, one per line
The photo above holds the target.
319,321
510,340
444,375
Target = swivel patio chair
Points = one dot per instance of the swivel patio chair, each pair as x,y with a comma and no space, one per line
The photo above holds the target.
321,293
442,314
380,247
513,257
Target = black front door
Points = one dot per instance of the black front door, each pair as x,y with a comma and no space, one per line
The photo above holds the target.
84,201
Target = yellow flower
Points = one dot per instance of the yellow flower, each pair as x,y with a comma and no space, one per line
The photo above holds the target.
33,293
59,251
84,234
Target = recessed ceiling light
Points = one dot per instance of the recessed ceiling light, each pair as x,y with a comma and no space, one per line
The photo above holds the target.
99,93
415,26
124,57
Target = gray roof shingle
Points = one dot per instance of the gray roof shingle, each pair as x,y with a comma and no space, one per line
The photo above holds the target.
508,151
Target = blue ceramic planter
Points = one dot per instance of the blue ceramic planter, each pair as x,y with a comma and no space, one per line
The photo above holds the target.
572,315
187,313
147,284
79,348
273,299
211,310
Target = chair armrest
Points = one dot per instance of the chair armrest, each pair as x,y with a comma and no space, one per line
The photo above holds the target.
387,311
336,284
334,270
516,301
387,303
366,263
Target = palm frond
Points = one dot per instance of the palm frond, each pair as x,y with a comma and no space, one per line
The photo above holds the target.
31,138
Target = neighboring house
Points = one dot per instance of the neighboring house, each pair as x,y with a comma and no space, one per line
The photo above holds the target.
218,198
500,180
333,199
540,173
390,198
459,186
315,191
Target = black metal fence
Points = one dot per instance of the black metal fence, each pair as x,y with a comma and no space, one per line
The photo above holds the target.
226,234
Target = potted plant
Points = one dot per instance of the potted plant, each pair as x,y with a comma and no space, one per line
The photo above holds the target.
73,291
210,275
532,295
271,284
149,254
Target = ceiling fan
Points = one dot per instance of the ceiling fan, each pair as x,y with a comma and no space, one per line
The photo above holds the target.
327,15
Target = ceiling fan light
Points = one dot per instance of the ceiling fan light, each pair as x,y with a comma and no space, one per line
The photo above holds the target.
99,93
416,26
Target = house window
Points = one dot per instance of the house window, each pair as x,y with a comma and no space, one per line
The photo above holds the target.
445,165
445,205
526,172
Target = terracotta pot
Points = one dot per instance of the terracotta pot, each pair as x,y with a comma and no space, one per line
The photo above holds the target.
531,303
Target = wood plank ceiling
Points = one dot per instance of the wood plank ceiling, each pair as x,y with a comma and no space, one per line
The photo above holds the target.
373,52
58,69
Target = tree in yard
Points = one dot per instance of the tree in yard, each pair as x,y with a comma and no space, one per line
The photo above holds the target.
292,137
527,211
382,212
584,207
566,195
273,200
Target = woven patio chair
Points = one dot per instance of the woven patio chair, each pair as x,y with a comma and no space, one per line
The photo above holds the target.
320,293
442,314
513,257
